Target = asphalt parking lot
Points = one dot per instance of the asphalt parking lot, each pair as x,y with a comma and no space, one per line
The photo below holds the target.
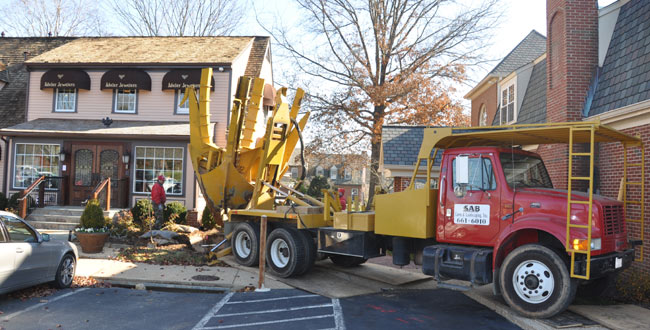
290,309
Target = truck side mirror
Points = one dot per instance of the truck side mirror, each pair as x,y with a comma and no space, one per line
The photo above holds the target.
462,170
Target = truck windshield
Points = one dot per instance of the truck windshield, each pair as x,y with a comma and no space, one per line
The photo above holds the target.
524,170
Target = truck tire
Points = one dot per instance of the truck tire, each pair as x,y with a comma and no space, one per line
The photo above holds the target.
346,261
310,250
535,281
245,244
285,252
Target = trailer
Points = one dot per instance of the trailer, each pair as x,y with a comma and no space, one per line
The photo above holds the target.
494,216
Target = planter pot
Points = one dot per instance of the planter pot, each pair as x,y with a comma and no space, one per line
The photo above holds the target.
91,242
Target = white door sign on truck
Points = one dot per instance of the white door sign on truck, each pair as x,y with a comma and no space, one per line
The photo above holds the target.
472,214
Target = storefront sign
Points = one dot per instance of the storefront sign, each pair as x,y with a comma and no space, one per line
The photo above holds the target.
126,79
65,78
183,78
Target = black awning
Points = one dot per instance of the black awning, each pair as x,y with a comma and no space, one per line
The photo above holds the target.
65,78
183,78
126,78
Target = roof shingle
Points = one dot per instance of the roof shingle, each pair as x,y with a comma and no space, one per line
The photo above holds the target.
401,145
529,49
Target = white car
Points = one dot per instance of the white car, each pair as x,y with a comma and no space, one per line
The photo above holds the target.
28,257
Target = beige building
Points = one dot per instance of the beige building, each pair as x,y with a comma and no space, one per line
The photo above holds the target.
110,107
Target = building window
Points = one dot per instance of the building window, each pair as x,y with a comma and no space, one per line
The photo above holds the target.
348,174
294,172
482,116
354,192
65,100
333,172
125,100
320,171
33,161
508,104
150,162
182,109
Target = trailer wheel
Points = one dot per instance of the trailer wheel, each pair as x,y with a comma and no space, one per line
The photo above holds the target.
245,244
535,281
346,261
285,252
310,250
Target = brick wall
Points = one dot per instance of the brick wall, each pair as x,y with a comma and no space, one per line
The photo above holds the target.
610,160
489,98
401,183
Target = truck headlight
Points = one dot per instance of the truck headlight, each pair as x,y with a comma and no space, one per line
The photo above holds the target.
581,244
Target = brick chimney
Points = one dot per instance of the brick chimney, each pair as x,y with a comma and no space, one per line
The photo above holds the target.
572,58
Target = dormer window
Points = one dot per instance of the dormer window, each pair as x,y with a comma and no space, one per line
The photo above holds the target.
348,174
125,101
65,100
319,171
482,116
508,111
333,172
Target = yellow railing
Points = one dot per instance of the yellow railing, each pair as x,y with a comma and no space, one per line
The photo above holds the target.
626,183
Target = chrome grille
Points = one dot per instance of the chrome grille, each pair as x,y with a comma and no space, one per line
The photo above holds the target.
614,219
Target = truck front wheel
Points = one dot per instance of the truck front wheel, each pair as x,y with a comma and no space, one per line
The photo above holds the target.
535,281
245,244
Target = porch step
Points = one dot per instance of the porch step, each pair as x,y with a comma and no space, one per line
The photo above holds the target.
53,225
55,218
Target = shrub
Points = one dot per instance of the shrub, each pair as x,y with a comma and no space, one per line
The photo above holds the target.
122,224
142,210
316,186
634,286
176,212
13,201
207,220
93,216
3,201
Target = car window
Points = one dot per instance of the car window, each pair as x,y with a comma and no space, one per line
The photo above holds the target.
481,174
18,230
2,235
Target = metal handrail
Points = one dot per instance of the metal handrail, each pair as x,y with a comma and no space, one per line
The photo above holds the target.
25,193
105,183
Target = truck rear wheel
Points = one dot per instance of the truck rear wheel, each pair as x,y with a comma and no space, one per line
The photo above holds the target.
347,261
535,281
245,244
310,250
285,252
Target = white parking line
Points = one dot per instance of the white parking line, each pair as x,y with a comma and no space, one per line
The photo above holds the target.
338,315
272,299
12,315
276,310
271,322
213,311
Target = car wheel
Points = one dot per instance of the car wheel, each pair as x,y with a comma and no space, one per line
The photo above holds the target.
245,244
65,272
347,261
285,252
535,281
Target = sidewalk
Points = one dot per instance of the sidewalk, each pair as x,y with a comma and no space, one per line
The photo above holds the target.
328,280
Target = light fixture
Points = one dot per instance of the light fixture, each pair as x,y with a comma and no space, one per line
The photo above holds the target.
126,157
62,155
220,69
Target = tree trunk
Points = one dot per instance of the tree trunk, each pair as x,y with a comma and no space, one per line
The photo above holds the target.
375,147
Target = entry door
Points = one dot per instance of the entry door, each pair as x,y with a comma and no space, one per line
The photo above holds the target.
90,165
472,211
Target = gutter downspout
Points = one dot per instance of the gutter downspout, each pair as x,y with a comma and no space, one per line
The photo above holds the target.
6,165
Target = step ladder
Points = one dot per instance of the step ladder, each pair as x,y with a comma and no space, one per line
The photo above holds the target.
627,202
588,129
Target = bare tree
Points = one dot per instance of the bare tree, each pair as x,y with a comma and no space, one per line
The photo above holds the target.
179,17
379,62
50,17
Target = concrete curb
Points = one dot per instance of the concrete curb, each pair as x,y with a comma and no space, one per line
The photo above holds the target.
168,286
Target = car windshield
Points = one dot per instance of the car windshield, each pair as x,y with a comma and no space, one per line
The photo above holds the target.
524,170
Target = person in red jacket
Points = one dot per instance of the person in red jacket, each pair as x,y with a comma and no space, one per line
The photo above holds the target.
342,198
158,198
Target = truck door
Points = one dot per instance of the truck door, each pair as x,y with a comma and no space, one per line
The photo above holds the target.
472,207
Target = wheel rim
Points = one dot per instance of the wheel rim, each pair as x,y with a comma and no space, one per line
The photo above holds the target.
243,244
67,271
280,253
533,281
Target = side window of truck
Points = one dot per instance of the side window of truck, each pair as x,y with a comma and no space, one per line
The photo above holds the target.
481,174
